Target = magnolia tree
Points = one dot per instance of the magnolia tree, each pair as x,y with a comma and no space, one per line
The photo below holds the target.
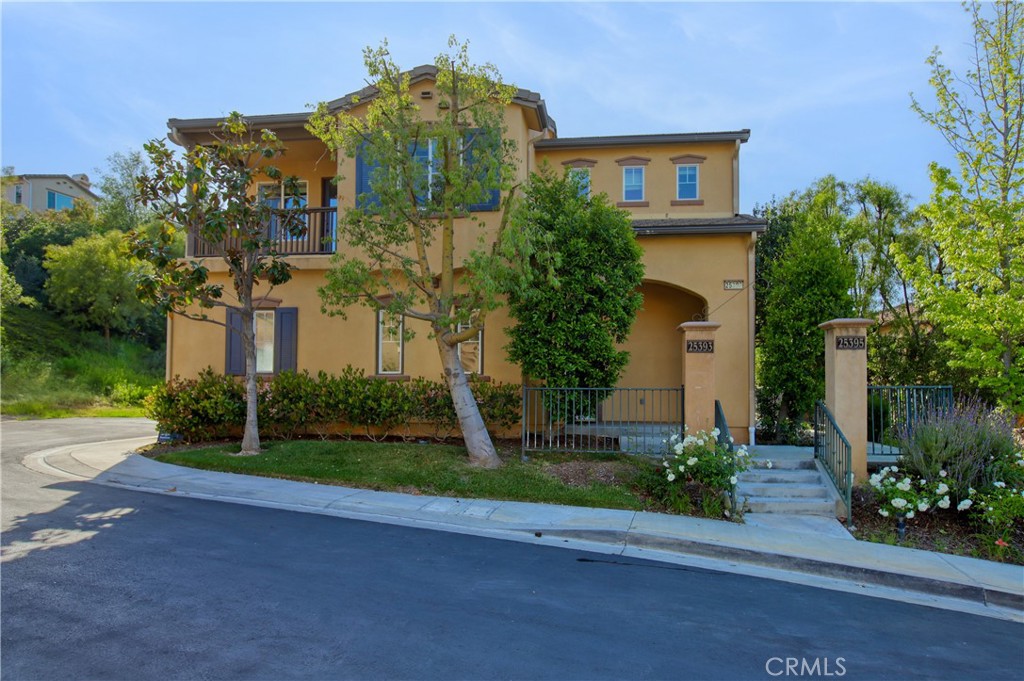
207,193
974,288
425,170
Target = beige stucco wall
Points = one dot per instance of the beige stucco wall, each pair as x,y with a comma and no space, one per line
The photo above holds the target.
715,183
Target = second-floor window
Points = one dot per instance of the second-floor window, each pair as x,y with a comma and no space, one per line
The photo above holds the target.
17,194
582,178
58,201
275,195
686,182
633,183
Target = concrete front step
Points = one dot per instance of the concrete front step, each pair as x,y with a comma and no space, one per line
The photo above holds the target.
796,476
782,464
793,506
814,490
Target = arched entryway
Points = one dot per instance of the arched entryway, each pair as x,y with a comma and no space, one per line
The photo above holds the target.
654,345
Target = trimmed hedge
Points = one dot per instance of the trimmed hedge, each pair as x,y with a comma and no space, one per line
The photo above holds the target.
212,406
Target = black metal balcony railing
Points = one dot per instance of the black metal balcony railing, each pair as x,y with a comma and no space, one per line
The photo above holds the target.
319,238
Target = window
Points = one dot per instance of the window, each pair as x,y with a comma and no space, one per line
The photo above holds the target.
633,183
58,201
17,194
686,183
428,180
582,177
264,322
276,341
471,352
271,194
390,339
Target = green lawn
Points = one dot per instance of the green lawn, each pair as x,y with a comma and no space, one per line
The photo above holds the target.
438,470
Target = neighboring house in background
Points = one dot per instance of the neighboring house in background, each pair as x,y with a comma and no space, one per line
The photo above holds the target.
39,193
682,191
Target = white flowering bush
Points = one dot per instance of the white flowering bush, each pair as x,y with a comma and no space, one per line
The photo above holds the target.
700,458
903,494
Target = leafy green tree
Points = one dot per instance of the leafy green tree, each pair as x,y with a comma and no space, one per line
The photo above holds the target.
206,193
974,289
812,283
781,217
29,234
397,244
93,283
567,325
121,207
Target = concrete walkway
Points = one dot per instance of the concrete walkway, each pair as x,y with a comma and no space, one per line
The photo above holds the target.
816,552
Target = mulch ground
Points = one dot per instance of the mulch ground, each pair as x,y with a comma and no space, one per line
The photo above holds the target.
943,531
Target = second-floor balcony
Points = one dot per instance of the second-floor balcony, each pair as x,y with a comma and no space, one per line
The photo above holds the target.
320,237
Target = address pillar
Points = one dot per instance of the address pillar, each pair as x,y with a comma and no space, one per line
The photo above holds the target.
846,385
699,374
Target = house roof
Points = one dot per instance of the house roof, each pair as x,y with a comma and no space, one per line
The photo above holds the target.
639,140
45,176
292,125
737,224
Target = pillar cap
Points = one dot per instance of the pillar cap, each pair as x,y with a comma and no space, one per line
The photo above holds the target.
698,326
847,323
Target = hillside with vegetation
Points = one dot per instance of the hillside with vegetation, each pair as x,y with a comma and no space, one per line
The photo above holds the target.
74,337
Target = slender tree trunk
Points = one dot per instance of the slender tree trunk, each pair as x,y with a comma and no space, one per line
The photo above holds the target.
251,434
474,431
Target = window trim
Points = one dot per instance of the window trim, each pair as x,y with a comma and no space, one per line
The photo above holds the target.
379,370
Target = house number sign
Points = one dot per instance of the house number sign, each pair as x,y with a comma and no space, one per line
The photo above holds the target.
851,343
700,346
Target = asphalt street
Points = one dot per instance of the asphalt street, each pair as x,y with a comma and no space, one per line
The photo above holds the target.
106,583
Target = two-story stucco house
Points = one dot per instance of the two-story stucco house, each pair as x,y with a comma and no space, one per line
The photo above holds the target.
49,192
682,191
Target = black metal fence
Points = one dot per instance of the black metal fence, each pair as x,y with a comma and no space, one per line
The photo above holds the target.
833,450
896,408
629,420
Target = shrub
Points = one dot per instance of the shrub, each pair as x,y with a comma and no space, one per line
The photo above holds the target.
702,460
287,403
203,408
973,445
500,403
901,494
379,404
434,407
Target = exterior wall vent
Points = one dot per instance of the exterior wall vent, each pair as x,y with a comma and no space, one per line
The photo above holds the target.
426,94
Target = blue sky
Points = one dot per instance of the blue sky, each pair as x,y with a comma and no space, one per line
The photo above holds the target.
824,87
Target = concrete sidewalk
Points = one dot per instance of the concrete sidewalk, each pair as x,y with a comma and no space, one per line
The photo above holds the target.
765,547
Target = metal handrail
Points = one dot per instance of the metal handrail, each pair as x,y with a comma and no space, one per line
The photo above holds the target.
833,450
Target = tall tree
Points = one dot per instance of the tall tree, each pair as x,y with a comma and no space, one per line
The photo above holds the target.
426,170
812,284
121,207
975,288
568,325
207,194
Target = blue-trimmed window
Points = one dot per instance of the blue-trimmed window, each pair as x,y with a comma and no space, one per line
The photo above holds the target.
58,201
633,183
686,183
